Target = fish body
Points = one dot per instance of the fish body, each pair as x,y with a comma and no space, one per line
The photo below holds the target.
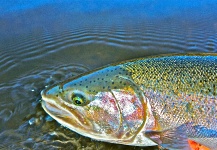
143,102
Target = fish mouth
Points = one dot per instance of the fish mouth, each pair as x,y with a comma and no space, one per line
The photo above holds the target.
64,114
51,107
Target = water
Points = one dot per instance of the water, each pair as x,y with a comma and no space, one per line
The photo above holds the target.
44,42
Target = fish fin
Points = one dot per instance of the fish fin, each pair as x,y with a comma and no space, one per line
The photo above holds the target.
170,139
197,146
209,143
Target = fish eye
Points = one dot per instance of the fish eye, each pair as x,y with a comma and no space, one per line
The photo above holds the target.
78,99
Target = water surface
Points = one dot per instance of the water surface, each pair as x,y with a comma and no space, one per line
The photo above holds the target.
44,42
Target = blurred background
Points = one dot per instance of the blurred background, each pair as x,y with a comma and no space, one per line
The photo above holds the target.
45,41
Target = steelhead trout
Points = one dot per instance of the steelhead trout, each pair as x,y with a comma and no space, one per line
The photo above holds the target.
144,102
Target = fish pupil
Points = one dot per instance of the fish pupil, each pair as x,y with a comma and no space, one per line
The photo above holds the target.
78,102
78,99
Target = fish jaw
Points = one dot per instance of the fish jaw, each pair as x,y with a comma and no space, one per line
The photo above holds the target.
70,117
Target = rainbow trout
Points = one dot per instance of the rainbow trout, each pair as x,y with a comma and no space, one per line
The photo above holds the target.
144,102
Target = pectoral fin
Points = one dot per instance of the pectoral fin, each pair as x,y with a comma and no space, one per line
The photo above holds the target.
178,139
170,139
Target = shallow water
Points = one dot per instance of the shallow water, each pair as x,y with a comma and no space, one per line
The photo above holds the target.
44,42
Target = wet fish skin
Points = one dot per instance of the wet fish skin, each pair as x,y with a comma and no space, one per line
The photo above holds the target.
124,102
189,82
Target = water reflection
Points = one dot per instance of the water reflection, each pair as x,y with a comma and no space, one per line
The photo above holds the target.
43,42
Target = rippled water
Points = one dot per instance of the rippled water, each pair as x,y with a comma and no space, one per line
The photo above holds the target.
44,42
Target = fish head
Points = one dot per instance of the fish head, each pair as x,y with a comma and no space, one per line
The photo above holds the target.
104,105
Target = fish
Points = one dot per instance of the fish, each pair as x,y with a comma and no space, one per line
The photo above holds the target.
150,101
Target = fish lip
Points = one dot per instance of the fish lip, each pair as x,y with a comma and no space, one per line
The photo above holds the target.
43,95
46,102
46,98
49,104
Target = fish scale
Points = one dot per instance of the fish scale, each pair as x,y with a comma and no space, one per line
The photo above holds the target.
142,102
190,80
175,73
